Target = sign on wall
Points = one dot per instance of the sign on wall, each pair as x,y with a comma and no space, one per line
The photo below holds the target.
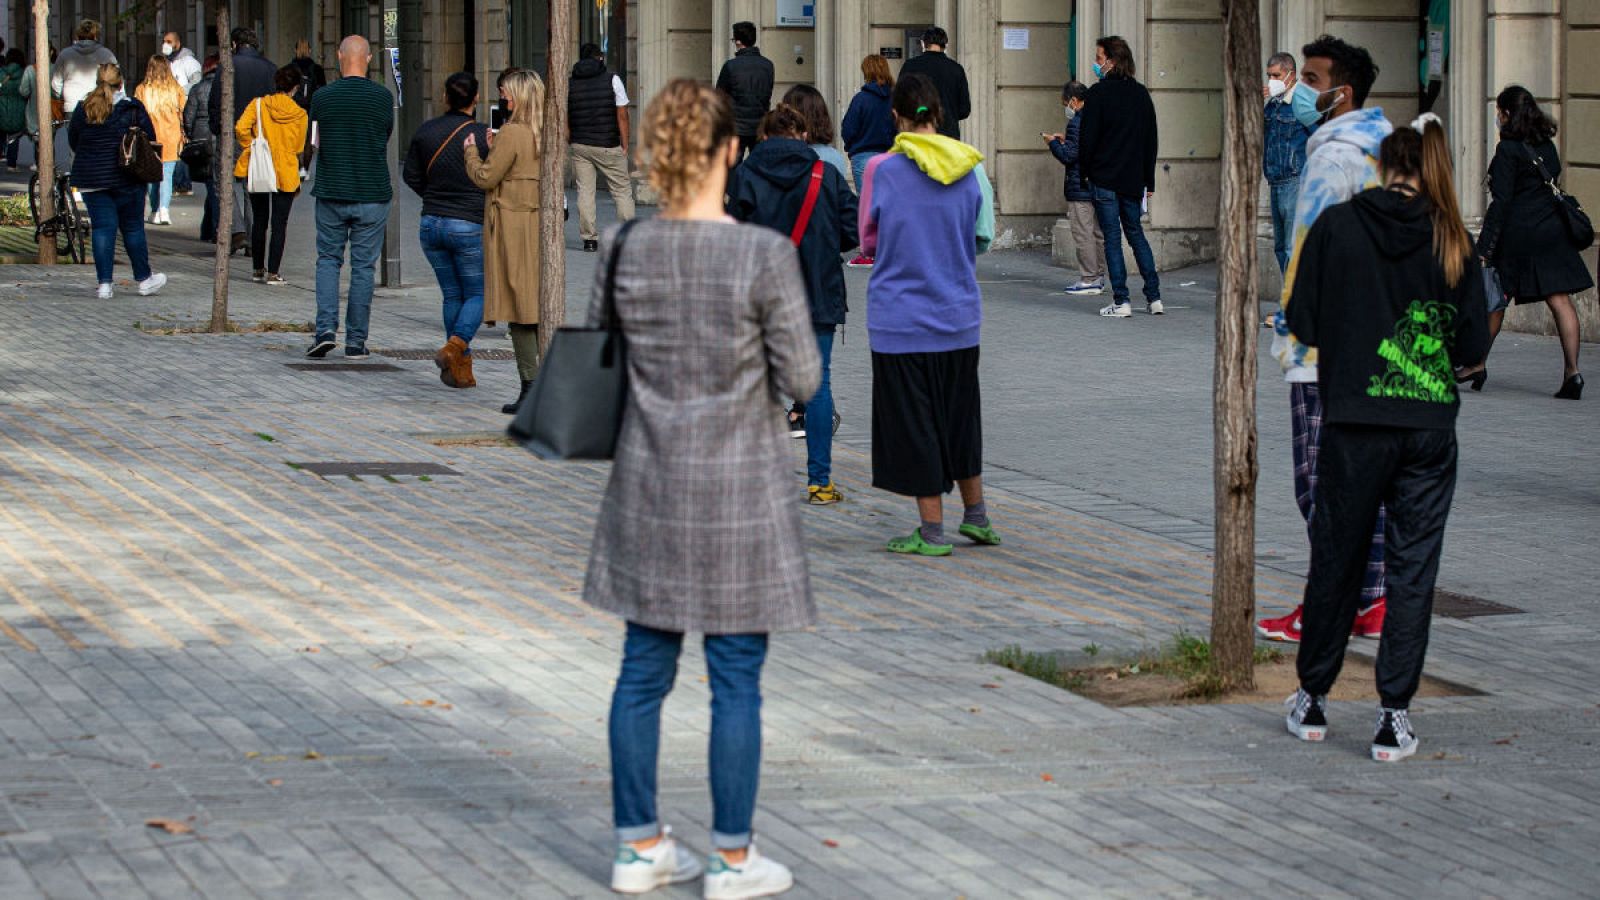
797,14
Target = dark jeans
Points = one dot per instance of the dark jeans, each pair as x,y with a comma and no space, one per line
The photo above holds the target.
360,227
181,180
208,221
819,418
270,208
12,142
1118,214
1412,472
119,209
454,247
649,666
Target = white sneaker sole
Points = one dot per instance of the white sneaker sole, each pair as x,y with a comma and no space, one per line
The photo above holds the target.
1085,292
1116,314
646,885
771,889
1393,754
1311,733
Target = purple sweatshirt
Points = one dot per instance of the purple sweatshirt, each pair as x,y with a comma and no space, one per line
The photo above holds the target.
923,296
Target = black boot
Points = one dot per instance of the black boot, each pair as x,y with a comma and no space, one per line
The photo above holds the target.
510,409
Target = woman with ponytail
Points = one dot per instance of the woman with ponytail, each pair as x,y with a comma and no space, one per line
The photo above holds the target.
1390,292
697,531
115,201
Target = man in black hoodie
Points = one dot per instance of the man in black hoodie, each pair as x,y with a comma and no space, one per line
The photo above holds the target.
747,79
948,78
597,119
1117,150
252,78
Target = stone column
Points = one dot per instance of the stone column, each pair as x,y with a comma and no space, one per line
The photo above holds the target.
849,35
1469,123
1090,29
721,35
1299,23
653,50
824,61
974,46
944,16
1126,19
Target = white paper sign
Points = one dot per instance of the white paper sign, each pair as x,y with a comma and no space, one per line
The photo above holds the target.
1435,55
1015,38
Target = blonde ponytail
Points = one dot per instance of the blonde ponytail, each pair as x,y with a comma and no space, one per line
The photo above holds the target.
98,105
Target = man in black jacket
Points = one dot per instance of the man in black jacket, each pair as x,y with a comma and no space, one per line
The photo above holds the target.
1117,149
597,118
947,76
252,78
747,79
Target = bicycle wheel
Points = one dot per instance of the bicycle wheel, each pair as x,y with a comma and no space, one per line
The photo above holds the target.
76,222
33,200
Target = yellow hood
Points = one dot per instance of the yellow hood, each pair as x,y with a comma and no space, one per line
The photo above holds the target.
280,109
945,160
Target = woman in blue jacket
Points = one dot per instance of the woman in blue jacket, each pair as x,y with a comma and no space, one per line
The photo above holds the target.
868,126
114,200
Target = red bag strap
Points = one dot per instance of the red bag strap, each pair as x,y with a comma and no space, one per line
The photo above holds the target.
806,209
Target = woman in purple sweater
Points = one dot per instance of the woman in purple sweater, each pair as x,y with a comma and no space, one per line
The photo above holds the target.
927,211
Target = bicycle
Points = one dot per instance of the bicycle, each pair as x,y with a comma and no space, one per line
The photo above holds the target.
70,224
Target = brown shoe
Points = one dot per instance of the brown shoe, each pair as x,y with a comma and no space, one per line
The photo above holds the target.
445,359
461,364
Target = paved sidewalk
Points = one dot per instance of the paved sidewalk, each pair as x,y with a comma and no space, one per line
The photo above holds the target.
377,687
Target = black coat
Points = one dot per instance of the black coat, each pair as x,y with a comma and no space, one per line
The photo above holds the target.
252,78
1523,236
592,106
747,78
951,81
769,188
312,77
97,149
444,187
1068,153
1117,141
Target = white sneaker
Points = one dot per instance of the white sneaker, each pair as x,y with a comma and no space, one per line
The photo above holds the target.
1117,311
1086,288
152,284
757,876
636,871
1156,308
105,291
1395,740
163,217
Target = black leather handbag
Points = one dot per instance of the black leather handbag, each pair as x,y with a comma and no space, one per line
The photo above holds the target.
574,408
140,157
197,156
1579,228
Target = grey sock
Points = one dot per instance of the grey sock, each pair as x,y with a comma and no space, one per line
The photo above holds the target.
976,514
933,532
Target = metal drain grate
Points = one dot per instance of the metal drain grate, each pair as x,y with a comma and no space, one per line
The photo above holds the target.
343,367
374,469
477,355
1452,605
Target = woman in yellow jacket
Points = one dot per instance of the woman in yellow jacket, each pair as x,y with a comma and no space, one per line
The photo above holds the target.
282,122
163,99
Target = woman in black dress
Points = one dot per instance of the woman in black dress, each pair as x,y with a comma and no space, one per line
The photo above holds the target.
1524,238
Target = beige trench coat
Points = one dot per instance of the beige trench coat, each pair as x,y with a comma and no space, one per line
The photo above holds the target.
510,225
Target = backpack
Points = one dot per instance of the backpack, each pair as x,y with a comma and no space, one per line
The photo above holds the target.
262,177
140,158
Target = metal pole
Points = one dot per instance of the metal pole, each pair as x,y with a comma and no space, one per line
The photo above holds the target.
391,66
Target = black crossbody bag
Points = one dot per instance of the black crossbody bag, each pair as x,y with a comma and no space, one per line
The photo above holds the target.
1579,229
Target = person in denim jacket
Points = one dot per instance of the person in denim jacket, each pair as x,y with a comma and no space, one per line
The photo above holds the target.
1285,155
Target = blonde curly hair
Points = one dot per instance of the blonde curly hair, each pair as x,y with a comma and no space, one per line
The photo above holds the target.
684,126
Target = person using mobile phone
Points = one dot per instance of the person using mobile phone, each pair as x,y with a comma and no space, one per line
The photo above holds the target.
1087,238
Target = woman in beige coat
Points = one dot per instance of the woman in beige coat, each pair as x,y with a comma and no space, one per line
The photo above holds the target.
511,222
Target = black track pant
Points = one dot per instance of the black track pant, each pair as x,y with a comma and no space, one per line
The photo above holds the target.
278,203
1412,472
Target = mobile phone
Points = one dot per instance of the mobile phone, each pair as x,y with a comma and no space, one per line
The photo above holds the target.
497,117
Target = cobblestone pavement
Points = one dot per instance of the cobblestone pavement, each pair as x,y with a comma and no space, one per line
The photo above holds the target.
376,687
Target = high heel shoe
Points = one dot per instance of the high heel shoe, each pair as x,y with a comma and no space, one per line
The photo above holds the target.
1571,389
1476,378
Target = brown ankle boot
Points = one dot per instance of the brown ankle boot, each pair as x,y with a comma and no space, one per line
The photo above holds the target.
460,362
447,359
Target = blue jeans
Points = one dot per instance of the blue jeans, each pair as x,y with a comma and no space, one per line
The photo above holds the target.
360,225
1284,196
1118,214
649,666
181,180
819,418
118,209
161,191
454,247
858,168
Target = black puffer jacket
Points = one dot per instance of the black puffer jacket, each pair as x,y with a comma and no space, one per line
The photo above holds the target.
592,106
747,78
252,78
769,188
97,149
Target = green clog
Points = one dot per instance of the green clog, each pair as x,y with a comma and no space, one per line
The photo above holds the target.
914,544
981,534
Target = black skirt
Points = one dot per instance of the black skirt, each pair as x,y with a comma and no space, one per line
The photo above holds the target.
927,422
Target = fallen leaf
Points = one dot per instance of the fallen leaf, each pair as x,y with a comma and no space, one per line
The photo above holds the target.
499,752
446,706
992,687
1047,777
170,826
275,782
1506,740
252,754
830,843
155,765
974,709
312,754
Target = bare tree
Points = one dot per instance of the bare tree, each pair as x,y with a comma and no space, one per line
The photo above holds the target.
46,154
552,179
222,173
1234,386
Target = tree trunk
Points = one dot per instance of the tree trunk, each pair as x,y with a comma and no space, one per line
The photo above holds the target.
45,157
552,179
222,174
1234,387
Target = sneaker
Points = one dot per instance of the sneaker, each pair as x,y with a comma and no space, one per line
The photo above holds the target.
1369,621
1156,308
321,347
163,217
757,876
1118,310
259,276
591,246
862,261
1283,628
635,871
797,425
274,280
104,293
152,284
915,545
1395,740
1307,718
356,351
823,494
1086,288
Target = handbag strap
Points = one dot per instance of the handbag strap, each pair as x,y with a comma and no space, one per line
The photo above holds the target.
435,158
608,300
815,188
1538,163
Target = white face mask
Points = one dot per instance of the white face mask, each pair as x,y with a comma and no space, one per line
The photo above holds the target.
166,49
119,96
1276,87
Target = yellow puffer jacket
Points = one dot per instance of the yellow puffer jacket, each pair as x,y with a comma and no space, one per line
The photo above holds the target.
284,126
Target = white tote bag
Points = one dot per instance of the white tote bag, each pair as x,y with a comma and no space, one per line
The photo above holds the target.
263,176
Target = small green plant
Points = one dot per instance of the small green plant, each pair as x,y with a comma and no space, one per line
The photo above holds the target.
1042,666
424,478
295,466
14,211
266,437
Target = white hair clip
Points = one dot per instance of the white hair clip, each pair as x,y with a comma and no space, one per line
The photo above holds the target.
1420,123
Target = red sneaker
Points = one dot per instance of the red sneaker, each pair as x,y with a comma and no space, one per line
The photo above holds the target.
1283,628
862,261
1369,621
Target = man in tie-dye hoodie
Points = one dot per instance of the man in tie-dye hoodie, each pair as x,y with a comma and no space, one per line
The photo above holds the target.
1341,161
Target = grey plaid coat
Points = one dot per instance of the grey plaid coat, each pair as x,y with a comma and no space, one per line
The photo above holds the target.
699,529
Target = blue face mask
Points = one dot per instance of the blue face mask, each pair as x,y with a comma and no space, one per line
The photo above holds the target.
1098,72
1303,102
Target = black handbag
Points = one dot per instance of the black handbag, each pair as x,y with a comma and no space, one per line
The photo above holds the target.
140,157
574,408
197,156
1579,229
